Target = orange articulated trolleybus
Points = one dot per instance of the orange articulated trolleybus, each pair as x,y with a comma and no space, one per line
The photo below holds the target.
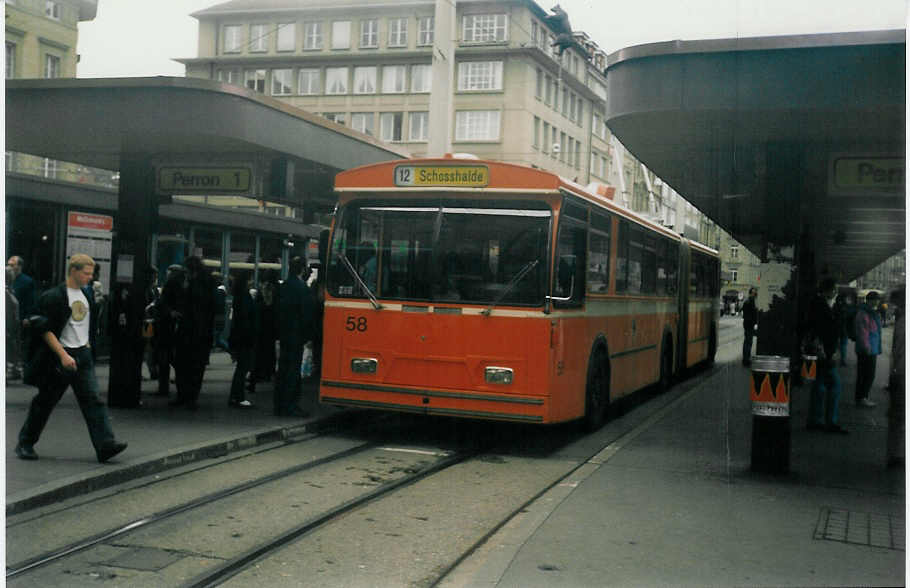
489,290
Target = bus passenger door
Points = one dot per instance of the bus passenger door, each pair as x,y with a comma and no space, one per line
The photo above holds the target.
568,299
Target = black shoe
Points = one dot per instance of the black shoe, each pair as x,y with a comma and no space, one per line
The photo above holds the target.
836,429
26,452
109,451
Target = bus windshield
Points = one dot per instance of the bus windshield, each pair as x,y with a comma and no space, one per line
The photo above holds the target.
442,251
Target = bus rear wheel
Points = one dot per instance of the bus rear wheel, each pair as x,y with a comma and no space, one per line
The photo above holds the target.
597,391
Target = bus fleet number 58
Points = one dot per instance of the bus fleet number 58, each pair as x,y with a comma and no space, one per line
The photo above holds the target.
356,323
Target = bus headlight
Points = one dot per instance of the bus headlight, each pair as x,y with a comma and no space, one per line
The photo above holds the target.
498,375
363,365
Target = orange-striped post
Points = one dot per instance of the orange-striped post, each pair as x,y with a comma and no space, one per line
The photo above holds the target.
769,390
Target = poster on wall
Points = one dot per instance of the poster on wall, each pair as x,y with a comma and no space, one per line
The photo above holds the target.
91,233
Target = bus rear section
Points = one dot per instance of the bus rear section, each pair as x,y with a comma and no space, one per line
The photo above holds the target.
436,305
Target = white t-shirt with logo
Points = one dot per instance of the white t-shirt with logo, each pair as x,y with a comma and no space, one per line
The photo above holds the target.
76,331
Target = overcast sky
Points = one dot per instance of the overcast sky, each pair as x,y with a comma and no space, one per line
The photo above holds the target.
142,37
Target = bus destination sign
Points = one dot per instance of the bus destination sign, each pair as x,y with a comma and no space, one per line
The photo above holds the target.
204,180
453,176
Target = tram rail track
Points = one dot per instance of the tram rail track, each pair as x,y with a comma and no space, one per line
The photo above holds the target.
44,559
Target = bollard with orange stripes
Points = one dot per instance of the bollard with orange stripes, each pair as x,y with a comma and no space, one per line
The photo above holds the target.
769,390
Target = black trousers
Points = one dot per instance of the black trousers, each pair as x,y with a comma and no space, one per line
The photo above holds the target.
189,369
85,387
865,374
287,381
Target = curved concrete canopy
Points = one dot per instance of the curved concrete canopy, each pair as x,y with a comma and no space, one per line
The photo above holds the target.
101,122
750,131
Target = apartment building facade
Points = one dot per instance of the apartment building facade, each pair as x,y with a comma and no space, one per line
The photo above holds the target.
367,65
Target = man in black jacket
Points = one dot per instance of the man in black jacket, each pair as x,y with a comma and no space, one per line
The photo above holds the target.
61,355
194,312
296,316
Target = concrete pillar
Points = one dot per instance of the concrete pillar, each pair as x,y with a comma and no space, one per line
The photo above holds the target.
441,96
134,223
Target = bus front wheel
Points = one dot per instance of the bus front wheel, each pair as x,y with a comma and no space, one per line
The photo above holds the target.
597,391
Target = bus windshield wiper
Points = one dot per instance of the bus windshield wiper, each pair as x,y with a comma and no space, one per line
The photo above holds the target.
512,283
353,272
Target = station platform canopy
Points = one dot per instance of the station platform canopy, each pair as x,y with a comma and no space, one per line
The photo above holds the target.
776,139
187,122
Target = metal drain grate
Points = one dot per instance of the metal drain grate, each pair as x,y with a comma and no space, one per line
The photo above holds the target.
860,528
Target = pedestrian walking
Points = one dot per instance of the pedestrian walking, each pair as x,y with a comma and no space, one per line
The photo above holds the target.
868,329
245,321
296,310
61,356
750,320
825,325
195,316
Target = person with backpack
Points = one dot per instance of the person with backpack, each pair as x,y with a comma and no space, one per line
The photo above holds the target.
868,328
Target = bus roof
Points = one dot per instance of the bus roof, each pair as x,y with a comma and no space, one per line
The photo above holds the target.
472,175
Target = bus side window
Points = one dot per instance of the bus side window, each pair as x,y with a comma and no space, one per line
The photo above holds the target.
571,252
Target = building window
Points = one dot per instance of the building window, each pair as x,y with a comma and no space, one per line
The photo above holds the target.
254,79
308,81
425,30
480,75
418,126
484,28
421,78
477,125
398,32
363,122
734,274
336,80
546,136
335,117
287,40
341,34
10,60
233,38
536,135
365,80
548,82
538,85
52,9
51,66
282,82
393,79
595,161
369,33
259,38
229,76
390,126
562,146
734,253
312,35
49,168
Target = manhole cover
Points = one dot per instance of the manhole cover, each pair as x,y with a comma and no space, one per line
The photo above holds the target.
147,559
860,528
